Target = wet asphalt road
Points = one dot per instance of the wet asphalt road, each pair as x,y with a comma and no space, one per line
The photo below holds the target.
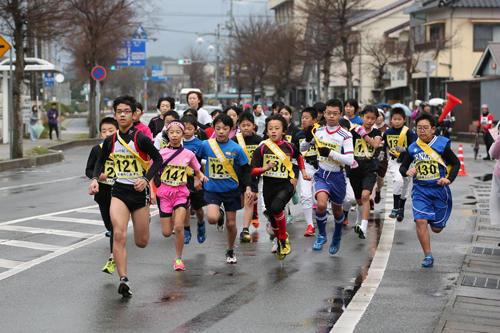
304,293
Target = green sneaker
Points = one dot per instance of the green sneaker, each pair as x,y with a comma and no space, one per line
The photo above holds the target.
110,266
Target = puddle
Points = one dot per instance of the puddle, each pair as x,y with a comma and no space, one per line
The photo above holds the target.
469,203
485,178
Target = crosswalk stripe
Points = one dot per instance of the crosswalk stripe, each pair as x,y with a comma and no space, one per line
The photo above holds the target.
47,231
70,219
30,245
91,211
4,263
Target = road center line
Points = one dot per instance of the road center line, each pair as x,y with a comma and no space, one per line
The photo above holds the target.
359,303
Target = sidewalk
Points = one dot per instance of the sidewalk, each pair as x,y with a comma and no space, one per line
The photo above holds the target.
76,128
474,305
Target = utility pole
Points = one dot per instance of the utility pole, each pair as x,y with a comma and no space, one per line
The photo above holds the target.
230,28
217,42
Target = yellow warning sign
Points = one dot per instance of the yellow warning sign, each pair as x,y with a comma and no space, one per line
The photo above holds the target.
4,46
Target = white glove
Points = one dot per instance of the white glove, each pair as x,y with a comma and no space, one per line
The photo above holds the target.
381,155
450,129
400,149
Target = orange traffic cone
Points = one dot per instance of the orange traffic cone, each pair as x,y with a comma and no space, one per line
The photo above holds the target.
461,172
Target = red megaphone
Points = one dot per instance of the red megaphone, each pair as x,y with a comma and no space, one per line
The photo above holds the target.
450,104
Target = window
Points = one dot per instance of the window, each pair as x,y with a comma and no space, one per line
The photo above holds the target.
483,33
436,32
419,35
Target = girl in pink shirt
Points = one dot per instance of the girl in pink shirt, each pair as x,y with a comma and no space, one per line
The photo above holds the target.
173,194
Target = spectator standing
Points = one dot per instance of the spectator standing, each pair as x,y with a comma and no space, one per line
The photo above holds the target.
52,114
33,121
485,123
260,119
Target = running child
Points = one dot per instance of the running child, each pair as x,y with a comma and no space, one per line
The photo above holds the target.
161,140
194,185
351,107
363,176
137,121
173,194
107,127
310,157
436,167
130,196
396,140
249,141
273,160
334,151
349,199
200,129
224,159
382,170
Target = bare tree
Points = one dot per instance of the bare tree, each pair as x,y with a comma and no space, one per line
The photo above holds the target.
381,53
97,29
14,18
198,78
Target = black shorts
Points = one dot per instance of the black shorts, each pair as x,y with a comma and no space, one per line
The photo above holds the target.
103,197
254,185
196,198
296,171
362,179
284,192
131,198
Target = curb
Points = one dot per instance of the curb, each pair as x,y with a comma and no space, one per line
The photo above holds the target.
55,156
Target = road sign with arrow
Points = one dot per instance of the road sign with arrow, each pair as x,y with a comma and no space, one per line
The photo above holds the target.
4,46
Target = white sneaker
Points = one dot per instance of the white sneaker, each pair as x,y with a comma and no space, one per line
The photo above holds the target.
275,245
269,229
230,259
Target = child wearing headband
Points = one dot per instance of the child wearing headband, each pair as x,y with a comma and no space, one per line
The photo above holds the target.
172,193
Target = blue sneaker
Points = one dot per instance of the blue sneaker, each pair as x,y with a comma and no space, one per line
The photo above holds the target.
187,236
334,247
202,233
320,240
394,213
428,261
295,198
289,219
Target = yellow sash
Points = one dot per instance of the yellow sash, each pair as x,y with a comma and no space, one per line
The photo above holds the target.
401,141
316,126
222,159
435,156
318,144
281,155
243,145
143,163
109,169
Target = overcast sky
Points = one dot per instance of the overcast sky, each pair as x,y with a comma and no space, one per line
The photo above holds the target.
187,17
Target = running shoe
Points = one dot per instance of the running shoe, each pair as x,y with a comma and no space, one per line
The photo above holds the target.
377,197
179,265
289,219
275,245
110,266
428,261
280,255
320,240
393,214
201,233
255,219
285,245
124,287
220,222
372,205
191,211
401,215
359,230
187,236
295,198
310,231
230,257
269,229
335,246
346,214
108,234
245,236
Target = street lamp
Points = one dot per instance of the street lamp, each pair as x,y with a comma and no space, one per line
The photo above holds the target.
200,40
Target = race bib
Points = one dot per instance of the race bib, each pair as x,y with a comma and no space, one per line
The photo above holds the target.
163,144
359,151
279,170
174,175
288,138
216,169
313,151
109,169
392,141
332,146
126,166
427,170
251,150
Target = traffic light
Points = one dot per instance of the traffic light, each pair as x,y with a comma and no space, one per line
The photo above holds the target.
116,68
183,62
113,68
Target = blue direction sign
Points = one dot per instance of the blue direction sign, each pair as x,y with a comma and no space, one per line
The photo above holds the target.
157,73
132,54
140,34
145,78
48,80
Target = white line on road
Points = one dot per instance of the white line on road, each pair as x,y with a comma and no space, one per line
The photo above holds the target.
30,245
34,217
41,183
4,263
46,231
359,303
71,220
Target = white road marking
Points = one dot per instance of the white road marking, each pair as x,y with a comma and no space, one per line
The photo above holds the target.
45,215
357,307
30,245
46,231
41,183
71,220
89,211
4,263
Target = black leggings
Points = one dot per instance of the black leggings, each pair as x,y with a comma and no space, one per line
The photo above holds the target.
103,199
